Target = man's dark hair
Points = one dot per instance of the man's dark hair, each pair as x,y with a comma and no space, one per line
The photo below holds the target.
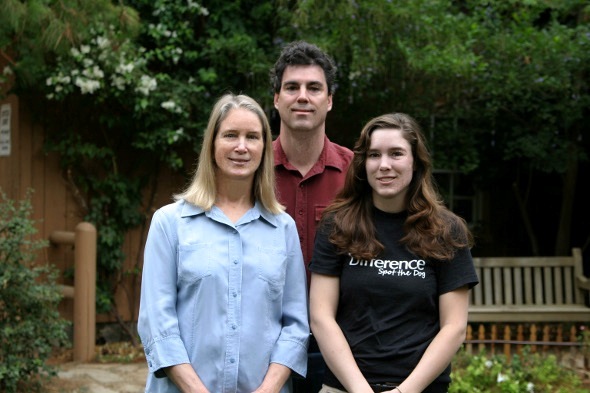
303,53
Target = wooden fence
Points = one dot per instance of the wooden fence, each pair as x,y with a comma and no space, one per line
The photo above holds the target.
83,292
56,208
568,342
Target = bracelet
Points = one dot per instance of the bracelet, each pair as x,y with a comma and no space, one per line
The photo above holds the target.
398,389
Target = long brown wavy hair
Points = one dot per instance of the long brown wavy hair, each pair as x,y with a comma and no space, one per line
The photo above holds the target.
431,229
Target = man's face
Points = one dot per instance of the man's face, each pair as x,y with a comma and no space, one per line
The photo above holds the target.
303,101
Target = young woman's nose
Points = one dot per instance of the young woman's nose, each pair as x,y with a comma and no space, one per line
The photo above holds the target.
384,163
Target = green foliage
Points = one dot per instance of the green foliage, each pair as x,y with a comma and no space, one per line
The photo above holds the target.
526,373
30,325
31,30
119,89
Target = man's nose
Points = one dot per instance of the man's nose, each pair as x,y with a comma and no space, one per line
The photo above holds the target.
302,94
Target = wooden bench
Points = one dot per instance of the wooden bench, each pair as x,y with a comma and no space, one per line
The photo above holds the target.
530,289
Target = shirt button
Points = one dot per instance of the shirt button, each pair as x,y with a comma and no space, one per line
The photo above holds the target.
233,327
234,294
235,261
232,360
300,212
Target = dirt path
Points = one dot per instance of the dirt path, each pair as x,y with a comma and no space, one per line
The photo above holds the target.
99,378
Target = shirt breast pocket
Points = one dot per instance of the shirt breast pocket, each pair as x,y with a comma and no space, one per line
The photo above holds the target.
194,262
319,209
272,269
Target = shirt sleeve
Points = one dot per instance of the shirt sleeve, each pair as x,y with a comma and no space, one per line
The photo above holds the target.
457,272
158,325
291,347
325,259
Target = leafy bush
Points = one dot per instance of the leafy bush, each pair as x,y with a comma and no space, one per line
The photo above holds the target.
30,325
525,373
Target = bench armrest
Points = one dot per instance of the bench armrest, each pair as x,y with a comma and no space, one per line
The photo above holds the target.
583,282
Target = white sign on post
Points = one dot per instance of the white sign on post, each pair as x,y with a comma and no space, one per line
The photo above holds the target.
5,113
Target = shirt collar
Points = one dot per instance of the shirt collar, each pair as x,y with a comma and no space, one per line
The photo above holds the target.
258,211
329,155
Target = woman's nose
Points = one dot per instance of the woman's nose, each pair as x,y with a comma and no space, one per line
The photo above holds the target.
241,144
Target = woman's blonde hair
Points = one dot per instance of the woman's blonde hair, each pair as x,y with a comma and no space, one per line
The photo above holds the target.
202,190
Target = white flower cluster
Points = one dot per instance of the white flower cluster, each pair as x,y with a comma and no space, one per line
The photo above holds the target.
200,9
175,135
146,84
96,65
530,387
171,106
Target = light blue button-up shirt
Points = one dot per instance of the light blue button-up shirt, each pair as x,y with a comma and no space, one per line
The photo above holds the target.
227,298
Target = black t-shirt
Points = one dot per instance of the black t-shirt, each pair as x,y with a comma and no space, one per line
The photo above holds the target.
388,307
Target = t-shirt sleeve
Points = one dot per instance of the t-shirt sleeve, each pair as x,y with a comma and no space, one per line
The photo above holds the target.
325,258
457,272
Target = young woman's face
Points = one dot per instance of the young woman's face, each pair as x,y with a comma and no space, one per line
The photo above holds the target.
390,167
238,145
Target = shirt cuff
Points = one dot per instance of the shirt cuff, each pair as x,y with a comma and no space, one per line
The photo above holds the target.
165,352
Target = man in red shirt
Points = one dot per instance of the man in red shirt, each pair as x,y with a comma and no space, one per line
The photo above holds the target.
310,170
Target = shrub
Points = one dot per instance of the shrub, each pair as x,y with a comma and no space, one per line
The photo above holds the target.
30,325
526,373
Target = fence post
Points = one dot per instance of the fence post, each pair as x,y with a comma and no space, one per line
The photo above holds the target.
84,292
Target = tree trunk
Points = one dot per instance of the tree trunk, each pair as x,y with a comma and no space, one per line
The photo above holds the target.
562,243
526,220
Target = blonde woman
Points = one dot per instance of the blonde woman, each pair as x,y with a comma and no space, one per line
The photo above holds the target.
223,299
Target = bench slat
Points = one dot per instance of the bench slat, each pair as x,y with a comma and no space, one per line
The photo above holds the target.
518,298
548,286
497,279
528,285
538,284
558,280
487,285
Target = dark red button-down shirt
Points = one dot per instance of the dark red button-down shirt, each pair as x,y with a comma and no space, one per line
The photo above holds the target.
306,197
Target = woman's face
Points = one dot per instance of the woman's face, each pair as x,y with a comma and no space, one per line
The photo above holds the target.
390,168
238,145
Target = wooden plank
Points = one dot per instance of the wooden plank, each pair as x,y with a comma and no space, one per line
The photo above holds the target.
524,261
488,286
538,285
518,287
558,285
569,283
528,285
548,285
561,313
578,272
507,284
498,284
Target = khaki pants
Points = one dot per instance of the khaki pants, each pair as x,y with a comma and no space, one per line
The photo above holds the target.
328,389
